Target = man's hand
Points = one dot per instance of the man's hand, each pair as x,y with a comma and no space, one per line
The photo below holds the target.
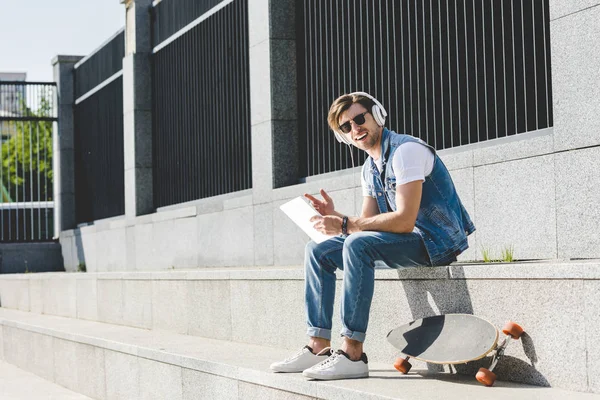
329,224
323,207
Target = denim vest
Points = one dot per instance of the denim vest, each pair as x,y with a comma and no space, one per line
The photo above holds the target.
442,220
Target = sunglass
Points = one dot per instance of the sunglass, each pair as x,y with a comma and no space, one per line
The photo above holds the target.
346,127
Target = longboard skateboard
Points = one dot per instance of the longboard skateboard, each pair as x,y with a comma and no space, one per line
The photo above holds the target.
452,339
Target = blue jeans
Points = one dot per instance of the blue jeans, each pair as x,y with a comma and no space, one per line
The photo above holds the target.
357,255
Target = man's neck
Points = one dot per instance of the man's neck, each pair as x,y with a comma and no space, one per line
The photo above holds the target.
375,151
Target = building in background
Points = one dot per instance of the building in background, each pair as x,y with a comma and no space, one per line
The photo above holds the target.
10,97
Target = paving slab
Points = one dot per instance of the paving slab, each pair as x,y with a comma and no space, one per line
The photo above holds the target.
247,363
16,384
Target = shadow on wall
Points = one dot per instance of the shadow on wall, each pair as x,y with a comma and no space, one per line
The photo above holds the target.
447,296
80,255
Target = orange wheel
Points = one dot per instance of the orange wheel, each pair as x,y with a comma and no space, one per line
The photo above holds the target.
402,365
486,376
512,329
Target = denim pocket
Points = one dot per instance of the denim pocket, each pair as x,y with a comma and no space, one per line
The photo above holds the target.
442,220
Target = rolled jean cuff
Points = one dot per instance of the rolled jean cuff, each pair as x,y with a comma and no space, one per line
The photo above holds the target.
358,336
319,332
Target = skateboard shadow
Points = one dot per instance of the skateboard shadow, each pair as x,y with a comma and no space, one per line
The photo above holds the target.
508,369
427,298
463,378
431,297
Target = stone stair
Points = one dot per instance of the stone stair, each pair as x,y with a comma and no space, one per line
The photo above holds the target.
212,333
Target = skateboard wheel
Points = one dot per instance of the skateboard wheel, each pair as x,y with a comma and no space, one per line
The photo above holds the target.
512,329
402,365
486,377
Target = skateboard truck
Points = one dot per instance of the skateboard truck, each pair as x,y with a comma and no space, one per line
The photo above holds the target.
512,331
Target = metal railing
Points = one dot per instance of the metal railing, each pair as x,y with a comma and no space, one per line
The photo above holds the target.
99,157
98,112
201,109
451,72
170,16
100,65
27,117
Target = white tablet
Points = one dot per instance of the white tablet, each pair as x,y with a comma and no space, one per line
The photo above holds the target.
301,212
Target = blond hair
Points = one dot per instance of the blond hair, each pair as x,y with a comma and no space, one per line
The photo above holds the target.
344,102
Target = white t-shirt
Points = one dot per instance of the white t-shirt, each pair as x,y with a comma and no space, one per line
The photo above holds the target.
412,162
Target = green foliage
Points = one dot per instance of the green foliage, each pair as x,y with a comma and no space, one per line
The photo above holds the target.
486,254
27,158
507,254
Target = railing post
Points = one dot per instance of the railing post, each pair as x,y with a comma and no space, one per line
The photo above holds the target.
63,144
137,109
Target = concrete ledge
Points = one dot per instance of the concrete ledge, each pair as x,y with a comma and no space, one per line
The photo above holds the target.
244,304
180,364
527,270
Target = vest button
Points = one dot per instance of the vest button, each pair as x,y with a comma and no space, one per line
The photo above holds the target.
379,194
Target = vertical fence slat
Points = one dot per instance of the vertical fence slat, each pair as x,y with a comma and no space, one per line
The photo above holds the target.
453,72
201,112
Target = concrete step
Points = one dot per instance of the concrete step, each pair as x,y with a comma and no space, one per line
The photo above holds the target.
105,361
265,306
16,384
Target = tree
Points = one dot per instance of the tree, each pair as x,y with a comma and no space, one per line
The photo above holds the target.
27,157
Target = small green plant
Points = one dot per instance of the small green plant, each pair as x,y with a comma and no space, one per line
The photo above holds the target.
486,254
508,253
81,267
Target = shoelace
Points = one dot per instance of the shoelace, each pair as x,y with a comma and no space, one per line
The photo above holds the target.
329,360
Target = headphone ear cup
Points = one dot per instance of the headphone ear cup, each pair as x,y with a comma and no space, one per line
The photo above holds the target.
378,115
340,138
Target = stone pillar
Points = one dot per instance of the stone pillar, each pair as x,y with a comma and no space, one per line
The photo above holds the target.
63,144
137,109
575,43
272,42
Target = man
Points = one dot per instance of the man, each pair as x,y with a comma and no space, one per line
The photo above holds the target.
411,216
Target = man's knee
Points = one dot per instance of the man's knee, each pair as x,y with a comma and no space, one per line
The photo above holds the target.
314,250
311,248
357,242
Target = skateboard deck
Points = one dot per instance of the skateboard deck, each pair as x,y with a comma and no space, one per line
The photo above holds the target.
445,339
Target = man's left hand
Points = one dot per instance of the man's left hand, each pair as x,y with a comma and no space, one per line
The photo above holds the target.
328,225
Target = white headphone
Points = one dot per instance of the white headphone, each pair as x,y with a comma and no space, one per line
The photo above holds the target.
378,112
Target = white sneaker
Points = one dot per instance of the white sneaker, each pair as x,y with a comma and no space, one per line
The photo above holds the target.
302,360
339,366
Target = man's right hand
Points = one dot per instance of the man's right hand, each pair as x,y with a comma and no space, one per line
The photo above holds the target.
323,207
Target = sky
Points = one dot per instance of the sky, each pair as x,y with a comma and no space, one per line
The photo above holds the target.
33,32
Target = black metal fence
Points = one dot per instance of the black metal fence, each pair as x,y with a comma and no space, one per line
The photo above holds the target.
170,16
27,116
451,72
99,157
201,109
101,65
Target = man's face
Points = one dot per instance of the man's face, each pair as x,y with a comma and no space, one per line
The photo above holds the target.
365,136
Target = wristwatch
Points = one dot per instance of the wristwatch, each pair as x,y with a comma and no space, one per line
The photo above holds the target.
345,225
